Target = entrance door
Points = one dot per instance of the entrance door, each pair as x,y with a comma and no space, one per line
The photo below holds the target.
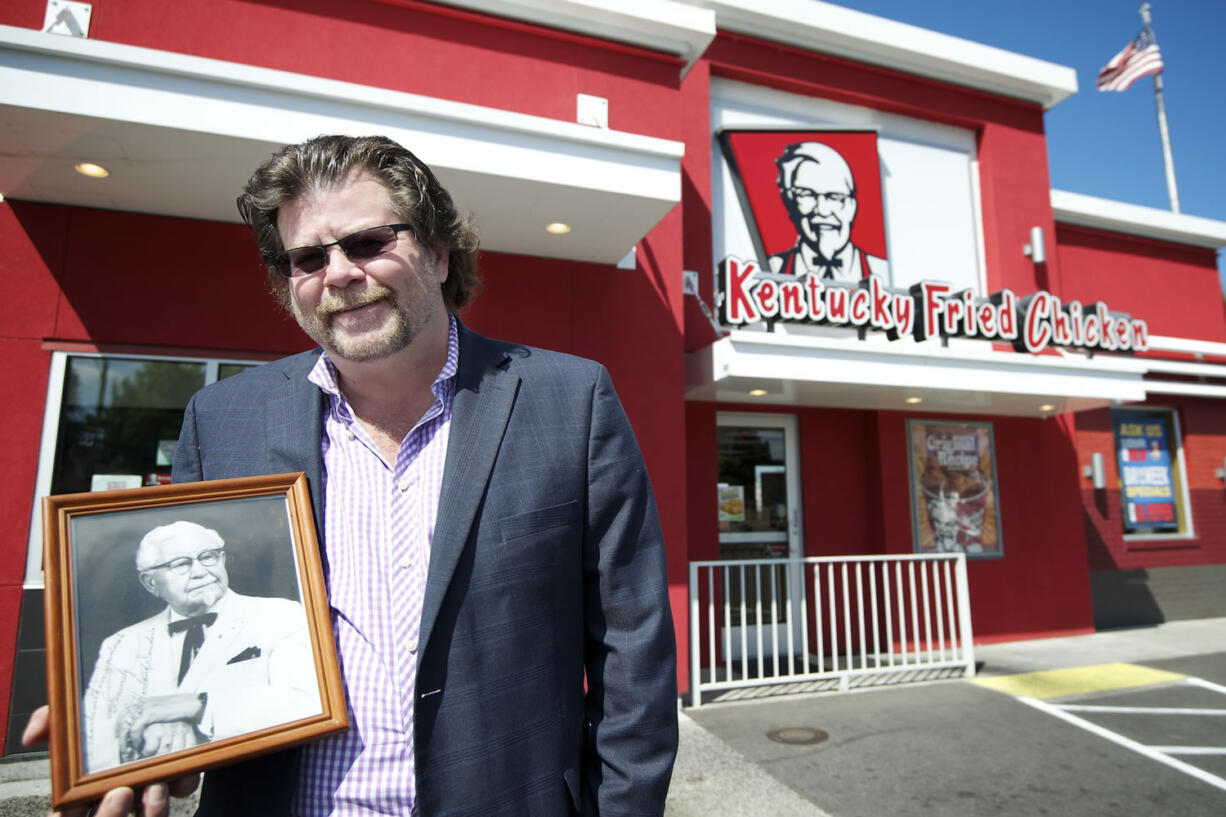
759,518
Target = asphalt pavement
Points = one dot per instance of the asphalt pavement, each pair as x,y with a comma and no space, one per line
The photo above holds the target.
1119,722
1062,726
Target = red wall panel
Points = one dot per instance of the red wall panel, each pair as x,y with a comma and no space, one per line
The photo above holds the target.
32,244
838,475
26,365
1175,288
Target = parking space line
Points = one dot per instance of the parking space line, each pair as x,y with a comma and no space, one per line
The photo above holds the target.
1201,682
1190,750
1152,752
1142,710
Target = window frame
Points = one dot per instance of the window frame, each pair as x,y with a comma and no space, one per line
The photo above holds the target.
49,437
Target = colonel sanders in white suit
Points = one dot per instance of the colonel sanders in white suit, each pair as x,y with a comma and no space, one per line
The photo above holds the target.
213,664
819,193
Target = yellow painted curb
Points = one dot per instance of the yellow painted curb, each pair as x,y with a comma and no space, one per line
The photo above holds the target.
1062,683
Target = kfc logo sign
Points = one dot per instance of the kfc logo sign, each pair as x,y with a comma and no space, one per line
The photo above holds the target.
814,205
813,200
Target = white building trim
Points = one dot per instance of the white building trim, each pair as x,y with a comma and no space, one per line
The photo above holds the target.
659,25
1133,219
859,37
968,377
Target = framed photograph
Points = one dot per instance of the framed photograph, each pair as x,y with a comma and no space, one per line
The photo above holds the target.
187,627
955,504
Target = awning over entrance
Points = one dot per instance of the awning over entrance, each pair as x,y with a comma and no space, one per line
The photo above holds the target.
966,377
181,134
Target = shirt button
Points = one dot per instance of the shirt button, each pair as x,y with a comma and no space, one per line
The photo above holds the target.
413,646
349,435
403,485
404,564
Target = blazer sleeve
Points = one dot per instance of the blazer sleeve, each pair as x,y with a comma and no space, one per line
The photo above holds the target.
630,651
186,466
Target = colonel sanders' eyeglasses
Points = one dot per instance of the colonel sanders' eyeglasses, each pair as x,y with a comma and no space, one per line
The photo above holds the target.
807,200
360,246
180,566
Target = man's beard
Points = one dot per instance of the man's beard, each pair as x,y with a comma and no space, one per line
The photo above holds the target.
396,333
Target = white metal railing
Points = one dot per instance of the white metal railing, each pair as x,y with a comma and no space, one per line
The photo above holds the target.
759,622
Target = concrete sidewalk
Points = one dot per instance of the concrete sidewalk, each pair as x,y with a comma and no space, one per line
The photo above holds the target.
712,779
1175,639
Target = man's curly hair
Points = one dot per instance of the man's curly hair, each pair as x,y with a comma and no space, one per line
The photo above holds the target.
416,196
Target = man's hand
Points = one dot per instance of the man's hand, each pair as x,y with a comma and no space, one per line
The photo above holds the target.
154,800
163,738
179,710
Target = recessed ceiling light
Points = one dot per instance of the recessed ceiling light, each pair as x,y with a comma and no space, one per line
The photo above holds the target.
92,170
913,400
1047,407
757,392
557,228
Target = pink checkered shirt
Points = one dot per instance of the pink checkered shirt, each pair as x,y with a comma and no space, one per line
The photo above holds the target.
378,526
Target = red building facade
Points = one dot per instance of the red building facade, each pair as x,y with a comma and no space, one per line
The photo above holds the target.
136,289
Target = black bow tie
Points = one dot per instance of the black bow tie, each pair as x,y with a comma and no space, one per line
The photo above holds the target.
194,627
185,624
828,266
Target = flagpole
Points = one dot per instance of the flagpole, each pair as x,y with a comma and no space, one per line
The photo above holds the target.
1169,160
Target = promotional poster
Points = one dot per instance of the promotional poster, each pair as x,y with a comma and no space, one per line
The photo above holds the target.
954,499
1147,485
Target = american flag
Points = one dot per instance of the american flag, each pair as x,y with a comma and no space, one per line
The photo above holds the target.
1139,57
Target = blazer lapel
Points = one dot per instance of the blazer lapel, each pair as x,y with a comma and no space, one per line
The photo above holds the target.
294,417
484,396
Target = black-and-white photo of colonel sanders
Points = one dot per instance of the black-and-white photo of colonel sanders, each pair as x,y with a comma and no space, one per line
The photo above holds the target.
212,664
819,193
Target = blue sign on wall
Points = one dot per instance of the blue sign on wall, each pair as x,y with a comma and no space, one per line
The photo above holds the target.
1147,481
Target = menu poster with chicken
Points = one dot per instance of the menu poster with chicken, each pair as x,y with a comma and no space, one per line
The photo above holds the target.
731,503
954,499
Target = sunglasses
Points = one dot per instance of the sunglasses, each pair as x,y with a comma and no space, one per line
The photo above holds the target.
360,246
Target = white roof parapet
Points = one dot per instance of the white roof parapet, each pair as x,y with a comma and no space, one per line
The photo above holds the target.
1133,219
659,25
1201,348
816,26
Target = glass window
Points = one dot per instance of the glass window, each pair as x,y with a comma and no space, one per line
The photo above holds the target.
225,370
119,420
753,487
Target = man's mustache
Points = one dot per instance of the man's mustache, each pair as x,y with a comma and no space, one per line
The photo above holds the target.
333,304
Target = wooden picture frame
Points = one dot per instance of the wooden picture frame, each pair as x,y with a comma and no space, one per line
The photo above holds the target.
135,699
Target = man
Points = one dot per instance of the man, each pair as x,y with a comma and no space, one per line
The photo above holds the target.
493,555
213,664
819,193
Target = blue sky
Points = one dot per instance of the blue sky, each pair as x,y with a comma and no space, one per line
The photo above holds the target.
1107,144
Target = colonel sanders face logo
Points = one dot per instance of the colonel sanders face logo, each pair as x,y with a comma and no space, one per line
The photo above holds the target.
820,195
